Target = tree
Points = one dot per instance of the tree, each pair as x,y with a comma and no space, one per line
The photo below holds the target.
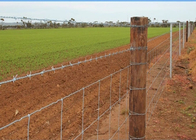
149,20
29,25
101,25
164,23
177,23
157,24
50,24
84,25
71,21
23,22
2,23
64,25
95,23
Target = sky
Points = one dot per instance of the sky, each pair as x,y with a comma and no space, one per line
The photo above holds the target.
101,11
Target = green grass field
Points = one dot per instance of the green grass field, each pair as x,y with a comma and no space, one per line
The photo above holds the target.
34,49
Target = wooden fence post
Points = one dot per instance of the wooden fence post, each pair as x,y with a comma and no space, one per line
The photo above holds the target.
137,97
187,31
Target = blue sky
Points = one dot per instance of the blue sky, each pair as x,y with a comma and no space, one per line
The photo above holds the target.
101,11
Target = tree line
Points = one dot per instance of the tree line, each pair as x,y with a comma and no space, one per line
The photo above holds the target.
73,24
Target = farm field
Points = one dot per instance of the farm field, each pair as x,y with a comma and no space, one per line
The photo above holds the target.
35,49
26,96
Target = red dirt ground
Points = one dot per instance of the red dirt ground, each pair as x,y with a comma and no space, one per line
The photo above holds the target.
26,96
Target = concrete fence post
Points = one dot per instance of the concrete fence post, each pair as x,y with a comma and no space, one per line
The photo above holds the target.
137,97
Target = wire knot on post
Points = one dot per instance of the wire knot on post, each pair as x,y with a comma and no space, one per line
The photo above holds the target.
134,88
134,64
138,48
135,113
139,26
131,137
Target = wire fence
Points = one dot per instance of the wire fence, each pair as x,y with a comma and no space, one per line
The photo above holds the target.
99,110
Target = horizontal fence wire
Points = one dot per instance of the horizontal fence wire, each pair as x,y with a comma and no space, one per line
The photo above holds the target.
157,76
157,50
157,60
160,43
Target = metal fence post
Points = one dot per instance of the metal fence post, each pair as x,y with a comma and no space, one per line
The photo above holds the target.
170,50
137,97
179,39
183,36
61,134
29,117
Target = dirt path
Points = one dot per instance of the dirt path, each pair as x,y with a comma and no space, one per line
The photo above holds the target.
26,96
